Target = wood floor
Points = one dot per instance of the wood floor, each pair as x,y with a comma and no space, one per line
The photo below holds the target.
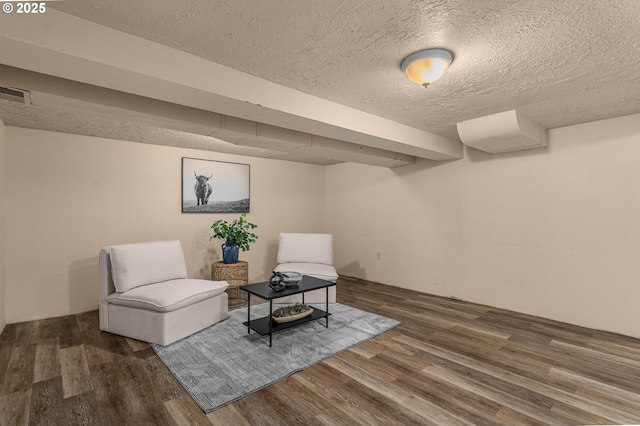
450,362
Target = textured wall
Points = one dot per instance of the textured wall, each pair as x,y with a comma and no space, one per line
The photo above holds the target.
68,196
552,232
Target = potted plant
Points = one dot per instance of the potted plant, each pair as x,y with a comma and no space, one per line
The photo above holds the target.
237,236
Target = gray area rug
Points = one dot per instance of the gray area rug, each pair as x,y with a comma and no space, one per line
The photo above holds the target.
223,363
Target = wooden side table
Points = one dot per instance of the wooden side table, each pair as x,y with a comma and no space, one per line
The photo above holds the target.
236,274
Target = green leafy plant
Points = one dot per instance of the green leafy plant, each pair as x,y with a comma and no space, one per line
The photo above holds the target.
236,232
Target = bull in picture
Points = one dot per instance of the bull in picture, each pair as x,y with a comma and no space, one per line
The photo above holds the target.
203,188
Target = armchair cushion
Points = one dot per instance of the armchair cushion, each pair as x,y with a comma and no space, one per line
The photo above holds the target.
305,248
316,270
170,295
135,265
308,254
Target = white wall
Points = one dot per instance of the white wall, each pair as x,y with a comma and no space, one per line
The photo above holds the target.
3,146
553,232
67,196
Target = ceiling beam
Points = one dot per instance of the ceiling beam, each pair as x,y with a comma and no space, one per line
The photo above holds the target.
69,47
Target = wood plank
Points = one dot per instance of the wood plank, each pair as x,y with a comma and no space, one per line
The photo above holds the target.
228,415
631,399
51,328
466,405
19,374
165,386
332,416
76,377
395,392
82,409
257,410
46,403
137,345
579,416
184,411
597,355
65,329
526,407
344,409
384,410
145,392
97,349
525,384
14,408
288,406
508,416
450,362
384,344
121,400
88,321
627,351
428,305
374,367
455,304
588,366
112,393
607,395
47,362
312,404
26,333
7,340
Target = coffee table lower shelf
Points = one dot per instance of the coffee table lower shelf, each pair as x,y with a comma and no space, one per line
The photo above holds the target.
265,325
261,325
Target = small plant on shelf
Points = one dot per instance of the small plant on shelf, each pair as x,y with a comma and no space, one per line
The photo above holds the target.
237,235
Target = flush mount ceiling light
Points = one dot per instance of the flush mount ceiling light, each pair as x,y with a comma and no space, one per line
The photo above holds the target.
426,66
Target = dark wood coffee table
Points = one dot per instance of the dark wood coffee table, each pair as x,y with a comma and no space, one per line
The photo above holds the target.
266,325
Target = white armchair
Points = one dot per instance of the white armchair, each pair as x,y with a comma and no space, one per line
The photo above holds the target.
308,254
145,293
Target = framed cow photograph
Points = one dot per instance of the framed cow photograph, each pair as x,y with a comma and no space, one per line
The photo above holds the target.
214,186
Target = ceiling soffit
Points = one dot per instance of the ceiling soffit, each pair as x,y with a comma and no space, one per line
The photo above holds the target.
129,64
258,139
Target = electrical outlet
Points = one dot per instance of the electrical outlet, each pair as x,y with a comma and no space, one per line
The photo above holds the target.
378,255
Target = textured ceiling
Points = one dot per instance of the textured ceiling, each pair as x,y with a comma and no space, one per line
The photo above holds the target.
558,62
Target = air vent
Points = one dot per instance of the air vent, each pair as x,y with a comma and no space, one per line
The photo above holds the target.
15,95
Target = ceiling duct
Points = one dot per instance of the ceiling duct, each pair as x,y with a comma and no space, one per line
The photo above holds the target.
15,95
503,132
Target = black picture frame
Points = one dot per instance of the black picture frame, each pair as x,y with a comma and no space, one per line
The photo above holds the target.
210,186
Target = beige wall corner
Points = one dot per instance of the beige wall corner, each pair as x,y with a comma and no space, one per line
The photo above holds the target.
68,196
3,149
552,232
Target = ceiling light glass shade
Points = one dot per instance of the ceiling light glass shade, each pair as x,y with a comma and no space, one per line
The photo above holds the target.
426,66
